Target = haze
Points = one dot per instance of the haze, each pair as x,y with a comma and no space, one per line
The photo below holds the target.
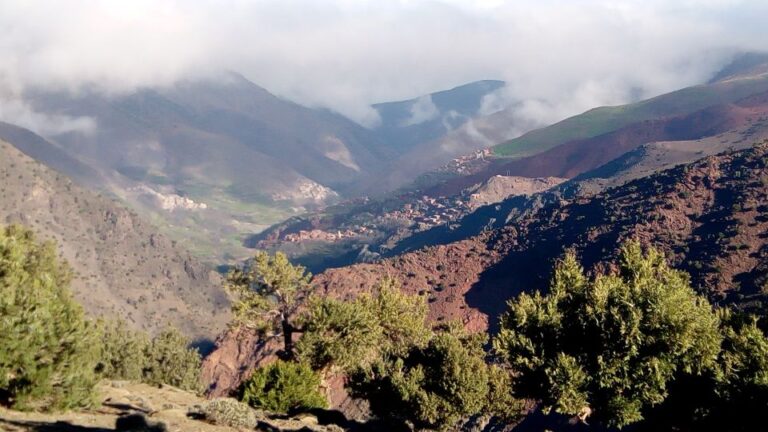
558,57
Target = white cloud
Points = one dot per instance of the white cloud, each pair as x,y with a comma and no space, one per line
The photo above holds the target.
16,111
561,55
422,110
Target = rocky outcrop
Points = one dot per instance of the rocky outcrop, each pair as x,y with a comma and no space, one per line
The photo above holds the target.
238,351
498,188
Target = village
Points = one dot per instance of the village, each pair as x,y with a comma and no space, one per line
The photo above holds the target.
419,215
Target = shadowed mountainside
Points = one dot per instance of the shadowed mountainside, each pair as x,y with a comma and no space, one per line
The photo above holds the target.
123,266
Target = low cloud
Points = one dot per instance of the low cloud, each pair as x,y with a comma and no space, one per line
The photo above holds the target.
559,57
18,112
422,110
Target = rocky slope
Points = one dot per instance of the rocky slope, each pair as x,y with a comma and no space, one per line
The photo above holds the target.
123,266
131,407
709,216
357,232
364,231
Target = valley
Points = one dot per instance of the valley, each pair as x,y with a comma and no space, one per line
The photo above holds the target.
501,249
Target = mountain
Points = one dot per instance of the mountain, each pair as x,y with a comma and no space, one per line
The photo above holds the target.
710,217
742,120
408,123
430,214
209,159
738,84
429,131
123,266
192,131
513,137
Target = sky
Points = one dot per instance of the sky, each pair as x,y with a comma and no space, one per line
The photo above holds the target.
559,57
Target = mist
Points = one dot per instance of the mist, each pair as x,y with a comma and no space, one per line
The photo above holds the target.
559,57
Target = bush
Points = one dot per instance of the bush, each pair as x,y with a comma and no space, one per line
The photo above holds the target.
433,386
131,355
123,351
284,386
352,334
229,412
613,345
48,350
171,361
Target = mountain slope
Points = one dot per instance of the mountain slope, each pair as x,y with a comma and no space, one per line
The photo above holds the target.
407,123
216,132
600,121
747,117
709,216
208,160
123,266
359,232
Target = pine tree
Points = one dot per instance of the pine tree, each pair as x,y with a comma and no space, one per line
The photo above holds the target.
171,361
352,334
48,350
613,345
267,295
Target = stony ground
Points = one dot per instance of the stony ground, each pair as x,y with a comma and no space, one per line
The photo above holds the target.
119,399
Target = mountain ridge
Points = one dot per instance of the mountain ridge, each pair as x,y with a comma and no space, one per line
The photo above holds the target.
123,267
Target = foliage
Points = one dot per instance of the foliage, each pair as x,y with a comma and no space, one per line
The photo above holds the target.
128,354
433,386
267,293
171,361
401,317
501,403
123,351
738,395
229,412
742,389
284,386
353,334
612,345
48,350
338,333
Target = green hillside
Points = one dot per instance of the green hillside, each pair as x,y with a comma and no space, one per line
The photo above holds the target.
602,120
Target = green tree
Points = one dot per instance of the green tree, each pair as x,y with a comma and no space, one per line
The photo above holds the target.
739,390
171,361
123,351
352,334
267,294
613,345
284,386
435,385
48,350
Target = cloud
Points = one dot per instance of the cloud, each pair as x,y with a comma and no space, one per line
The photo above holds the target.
559,57
422,110
16,111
